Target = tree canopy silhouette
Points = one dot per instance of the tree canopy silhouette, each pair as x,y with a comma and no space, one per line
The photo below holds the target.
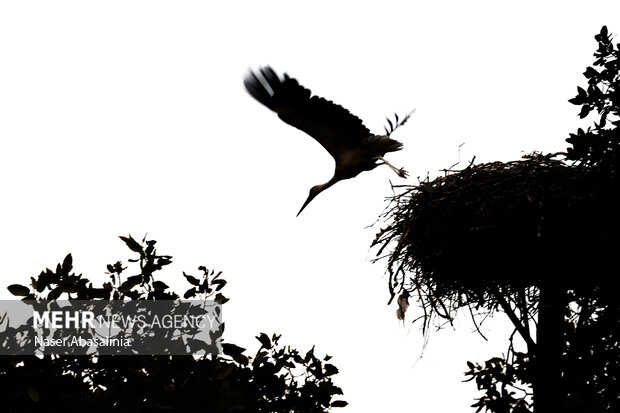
275,379
535,238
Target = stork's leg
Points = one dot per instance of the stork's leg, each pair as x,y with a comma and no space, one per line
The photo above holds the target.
400,172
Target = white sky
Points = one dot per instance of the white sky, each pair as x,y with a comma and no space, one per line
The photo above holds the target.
124,117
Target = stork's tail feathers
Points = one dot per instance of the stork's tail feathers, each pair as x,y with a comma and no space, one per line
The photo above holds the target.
382,144
392,145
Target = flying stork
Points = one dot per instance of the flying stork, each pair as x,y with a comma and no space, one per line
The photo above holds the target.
341,133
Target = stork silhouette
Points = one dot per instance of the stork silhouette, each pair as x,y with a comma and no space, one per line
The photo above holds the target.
342,134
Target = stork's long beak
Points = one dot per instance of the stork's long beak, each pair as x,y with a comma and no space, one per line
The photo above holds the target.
311,196
315,190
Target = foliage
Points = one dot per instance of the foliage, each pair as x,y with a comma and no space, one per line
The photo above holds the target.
505,383
592,353
398,122
276,379
599,146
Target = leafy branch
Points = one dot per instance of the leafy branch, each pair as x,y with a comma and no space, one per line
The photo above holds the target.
398,122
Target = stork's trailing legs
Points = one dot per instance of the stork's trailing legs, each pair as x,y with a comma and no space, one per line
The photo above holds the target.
400,172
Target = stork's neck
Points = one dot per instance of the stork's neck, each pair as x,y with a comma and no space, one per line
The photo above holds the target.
329,183
317,189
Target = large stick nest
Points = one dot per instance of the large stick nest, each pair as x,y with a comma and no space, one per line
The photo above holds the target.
515,223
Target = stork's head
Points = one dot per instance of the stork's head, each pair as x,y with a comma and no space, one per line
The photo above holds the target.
314,191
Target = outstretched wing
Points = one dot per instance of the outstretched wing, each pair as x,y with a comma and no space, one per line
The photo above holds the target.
334,127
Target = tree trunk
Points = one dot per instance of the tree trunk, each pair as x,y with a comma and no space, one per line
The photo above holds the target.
548,393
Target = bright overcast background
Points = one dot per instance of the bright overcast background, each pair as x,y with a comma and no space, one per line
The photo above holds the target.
122,117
